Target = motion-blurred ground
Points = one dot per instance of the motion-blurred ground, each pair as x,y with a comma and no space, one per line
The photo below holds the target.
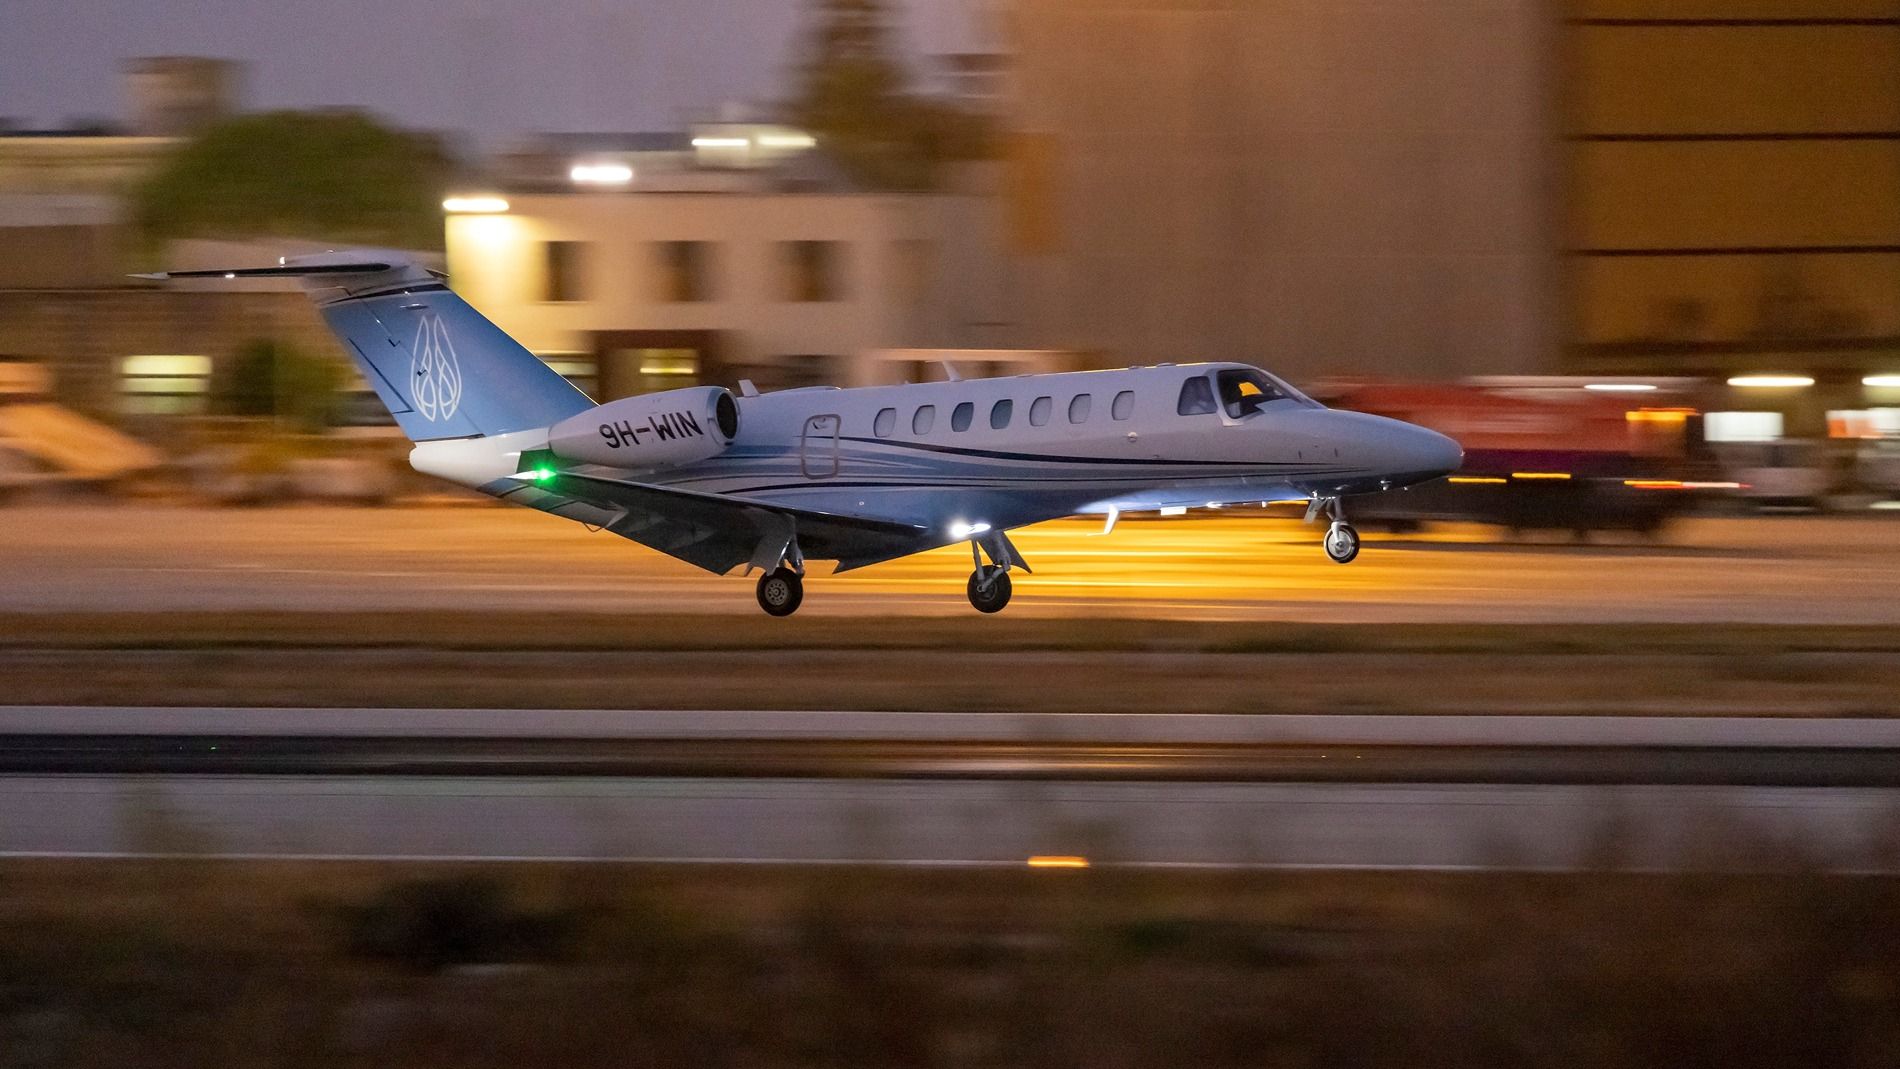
1782,569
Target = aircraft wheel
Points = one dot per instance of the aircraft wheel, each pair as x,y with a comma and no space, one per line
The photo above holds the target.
780,592
1342,543
996,596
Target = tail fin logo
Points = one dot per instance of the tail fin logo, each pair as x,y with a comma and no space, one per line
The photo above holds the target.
435,374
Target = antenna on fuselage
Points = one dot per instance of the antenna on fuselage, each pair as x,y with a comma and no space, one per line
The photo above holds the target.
950,371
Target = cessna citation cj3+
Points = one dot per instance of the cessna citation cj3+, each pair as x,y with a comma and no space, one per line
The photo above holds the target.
857,476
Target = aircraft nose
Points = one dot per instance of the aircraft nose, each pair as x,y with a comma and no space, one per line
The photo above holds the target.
1433,452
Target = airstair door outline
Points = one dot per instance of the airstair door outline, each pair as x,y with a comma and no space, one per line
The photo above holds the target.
818,447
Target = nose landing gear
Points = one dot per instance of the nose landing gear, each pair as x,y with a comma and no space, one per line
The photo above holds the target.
1342,541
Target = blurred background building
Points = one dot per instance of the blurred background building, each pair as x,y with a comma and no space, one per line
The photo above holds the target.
1731,198
734,249
1324,187
1633,188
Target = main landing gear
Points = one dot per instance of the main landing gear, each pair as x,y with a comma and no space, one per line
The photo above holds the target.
780,592
989,585
1342,541
782,586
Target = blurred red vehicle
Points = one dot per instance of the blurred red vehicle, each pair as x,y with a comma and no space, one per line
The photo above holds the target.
1542,454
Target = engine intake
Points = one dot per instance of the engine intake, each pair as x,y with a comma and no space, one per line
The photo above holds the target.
655,430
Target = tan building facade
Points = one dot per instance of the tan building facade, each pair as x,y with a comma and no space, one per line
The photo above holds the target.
1732,179
633,291
1324,186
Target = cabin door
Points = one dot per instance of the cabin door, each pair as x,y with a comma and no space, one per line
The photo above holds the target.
818,447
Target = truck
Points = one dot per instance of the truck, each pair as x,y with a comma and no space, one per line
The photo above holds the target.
1547,454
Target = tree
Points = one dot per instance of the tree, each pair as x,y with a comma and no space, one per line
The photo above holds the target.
273,379
331,175
853,96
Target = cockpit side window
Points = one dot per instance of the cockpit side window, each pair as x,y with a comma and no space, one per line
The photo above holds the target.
1197,397
1244,390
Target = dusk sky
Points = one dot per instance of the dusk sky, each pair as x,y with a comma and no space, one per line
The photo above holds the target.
492,67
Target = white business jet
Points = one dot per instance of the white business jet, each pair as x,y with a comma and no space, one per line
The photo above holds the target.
857,476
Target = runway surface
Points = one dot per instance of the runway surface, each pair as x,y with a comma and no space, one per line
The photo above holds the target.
1452,792
1787,569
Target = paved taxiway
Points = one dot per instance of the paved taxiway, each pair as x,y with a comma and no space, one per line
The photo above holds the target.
1544,792
1784,569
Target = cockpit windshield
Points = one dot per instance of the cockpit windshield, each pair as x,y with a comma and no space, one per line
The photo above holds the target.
1244,391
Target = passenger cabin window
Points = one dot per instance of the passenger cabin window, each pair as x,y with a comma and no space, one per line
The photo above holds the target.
960,416
1244,390
885,423
921,422
1123,406
1079,408
1000,413
1197,397
1039,411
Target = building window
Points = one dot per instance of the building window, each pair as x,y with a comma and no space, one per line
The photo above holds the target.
812,270
1039,411
1124,405
885,423
999,414
562,273
1197,397
960,416
581,369
913,258
164,385
685,271
1079,408
924,418
635,371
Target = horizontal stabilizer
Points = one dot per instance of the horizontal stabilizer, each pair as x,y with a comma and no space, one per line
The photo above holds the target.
357,267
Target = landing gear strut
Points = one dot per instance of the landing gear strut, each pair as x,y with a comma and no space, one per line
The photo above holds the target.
780,591
989,585
1342,541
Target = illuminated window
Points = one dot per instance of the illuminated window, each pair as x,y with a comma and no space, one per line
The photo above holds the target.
685,271
581,369
1197,397
885,423
157,385
1124,405
1039,411
921,421
563,271
1000,413
1742,426
960,416
1079,408
812,271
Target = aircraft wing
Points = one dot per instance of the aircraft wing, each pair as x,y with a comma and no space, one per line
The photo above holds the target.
718,532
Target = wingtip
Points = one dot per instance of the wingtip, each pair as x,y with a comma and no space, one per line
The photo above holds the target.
151,276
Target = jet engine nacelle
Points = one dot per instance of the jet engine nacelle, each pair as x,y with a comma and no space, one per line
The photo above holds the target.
655,430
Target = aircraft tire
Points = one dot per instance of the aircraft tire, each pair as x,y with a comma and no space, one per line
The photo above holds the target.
1342,543
993,599
780,592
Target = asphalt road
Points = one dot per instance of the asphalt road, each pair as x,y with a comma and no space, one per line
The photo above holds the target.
1402,792
950,822
1788,569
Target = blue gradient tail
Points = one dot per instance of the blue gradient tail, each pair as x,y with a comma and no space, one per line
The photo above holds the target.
442,369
